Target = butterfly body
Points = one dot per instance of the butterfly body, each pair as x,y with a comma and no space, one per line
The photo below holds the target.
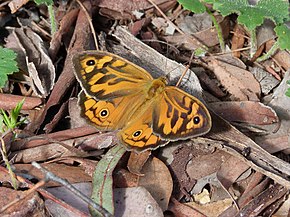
118,95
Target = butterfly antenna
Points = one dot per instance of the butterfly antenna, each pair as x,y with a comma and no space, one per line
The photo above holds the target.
185,70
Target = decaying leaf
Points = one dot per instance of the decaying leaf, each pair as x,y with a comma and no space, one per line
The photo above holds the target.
240,83
33,58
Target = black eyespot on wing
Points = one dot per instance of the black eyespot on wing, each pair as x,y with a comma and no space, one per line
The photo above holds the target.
104,113
91,62
196,120
137,133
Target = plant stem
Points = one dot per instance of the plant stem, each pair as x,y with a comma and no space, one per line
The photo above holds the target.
271,52
253,42
219,31
52,19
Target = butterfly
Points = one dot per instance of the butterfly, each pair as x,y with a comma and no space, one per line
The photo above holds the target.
119,95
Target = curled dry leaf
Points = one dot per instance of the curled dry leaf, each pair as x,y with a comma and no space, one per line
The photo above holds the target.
137,161
33,58
266,80
240,83
157,180
14,5
124,9
278,140
242,112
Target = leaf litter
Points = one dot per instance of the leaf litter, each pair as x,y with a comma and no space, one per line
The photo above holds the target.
225,173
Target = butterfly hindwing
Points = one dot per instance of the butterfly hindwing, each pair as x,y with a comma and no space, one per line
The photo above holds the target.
138,135
108,114
178,115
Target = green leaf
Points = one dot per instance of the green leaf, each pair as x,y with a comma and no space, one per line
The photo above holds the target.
283,33
288,90
11,121
47,2
193,5
8,65
253,15
103,179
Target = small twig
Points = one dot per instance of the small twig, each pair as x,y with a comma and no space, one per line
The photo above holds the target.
49,176
11,173
90,22
184,72
24,195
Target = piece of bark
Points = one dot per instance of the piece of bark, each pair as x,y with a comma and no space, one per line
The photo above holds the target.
9,101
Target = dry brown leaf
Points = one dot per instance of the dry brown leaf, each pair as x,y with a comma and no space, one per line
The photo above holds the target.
135,202
240,83
14,5
205,164
157,180
227,175
242,112
137,161
33,58
32,205
278,140
182,210
124,179
124,9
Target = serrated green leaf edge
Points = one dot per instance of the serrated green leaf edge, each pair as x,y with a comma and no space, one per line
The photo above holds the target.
193,5
102,192
242,8
283,33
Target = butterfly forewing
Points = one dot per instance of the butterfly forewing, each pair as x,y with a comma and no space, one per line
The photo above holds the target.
105,76
179,115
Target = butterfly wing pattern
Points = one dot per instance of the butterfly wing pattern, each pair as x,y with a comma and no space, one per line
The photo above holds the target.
119,95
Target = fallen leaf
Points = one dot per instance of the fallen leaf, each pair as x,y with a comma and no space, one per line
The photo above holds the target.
182,210
135,202
242,112
33,58
157,180
72,173
102,192
240,83
136,162
278,140
31,205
